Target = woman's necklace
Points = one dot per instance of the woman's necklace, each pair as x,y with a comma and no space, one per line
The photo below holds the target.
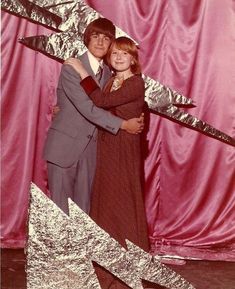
118,81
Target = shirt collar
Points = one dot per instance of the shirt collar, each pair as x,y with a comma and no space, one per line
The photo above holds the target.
94,63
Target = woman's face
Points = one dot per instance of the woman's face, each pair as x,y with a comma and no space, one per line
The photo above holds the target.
120,60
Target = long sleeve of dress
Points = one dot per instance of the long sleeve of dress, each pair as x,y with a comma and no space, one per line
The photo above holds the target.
69,88
131,90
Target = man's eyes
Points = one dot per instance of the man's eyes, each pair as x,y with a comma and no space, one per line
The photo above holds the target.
96,36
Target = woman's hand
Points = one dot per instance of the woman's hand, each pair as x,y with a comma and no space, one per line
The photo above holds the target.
133,125
78,66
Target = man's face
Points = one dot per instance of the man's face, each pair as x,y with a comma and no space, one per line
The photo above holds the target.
99,44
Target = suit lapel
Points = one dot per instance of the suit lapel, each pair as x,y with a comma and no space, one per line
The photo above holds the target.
86,63
105,77
106,72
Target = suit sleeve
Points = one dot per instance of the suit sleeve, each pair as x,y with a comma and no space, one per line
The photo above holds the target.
70,82
132,89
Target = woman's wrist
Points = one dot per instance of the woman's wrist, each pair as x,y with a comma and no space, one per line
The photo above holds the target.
83,74
89,84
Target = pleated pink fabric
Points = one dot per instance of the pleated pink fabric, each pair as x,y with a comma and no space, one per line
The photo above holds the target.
189,177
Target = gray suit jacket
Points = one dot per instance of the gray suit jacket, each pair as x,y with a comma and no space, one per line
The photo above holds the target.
75,123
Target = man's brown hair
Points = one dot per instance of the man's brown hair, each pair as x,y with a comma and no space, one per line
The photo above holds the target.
99,26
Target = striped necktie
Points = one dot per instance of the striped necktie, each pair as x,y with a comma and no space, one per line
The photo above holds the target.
99,73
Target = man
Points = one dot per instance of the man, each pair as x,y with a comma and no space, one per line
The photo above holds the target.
70,148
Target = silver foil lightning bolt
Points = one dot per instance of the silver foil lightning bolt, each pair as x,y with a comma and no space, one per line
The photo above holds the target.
61,248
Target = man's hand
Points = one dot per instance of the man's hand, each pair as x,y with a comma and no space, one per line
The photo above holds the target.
78,66
55,110
133,125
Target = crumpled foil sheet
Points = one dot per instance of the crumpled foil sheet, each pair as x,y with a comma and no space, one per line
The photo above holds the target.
76,15
60,250
59,45
158,95
32,11
55,259
173,112
58,7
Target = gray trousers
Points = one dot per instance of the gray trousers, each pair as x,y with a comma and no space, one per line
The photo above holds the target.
74,182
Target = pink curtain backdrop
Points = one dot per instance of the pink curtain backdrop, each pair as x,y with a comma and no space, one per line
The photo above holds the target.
189,177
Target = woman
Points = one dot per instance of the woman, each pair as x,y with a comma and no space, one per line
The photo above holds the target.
117,203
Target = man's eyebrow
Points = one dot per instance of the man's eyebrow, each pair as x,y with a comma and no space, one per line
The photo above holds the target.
97,33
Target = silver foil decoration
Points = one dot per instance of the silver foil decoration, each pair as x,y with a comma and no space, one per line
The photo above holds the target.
76,15
32,11
158,95
55,259
60,251
173,112
57,45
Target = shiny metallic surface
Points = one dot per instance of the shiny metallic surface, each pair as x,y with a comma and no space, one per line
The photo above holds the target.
55,258
60,45
158,95
104,250
58,7
76,14
60,250
191,121
32,11
153,270
163,101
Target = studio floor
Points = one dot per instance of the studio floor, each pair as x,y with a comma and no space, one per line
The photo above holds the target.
202,274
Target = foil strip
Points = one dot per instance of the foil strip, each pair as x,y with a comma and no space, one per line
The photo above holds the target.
58,7
54,258
130,265
60,45
60,250
154,271
159,95
78,17
32,11
174,113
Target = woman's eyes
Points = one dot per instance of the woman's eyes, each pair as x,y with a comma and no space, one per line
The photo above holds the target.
121,53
